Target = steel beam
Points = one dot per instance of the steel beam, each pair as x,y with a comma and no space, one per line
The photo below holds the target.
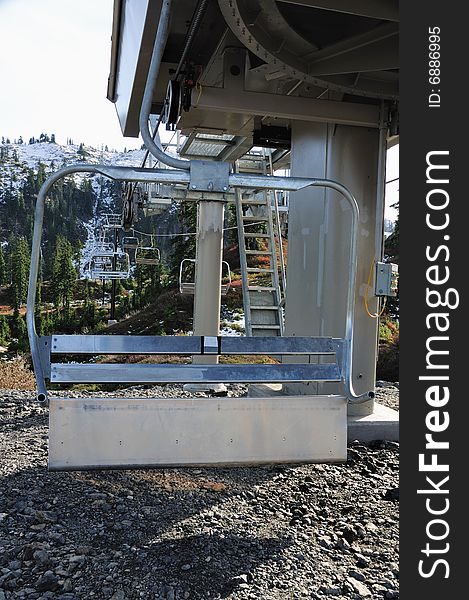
374,50
233,373
289,107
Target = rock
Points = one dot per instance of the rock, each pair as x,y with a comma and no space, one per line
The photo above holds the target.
78,559
392,494
330,591
28,552
56,537
350,533
359,587
41,557
45,516
325,541
343,544
118,595
47,582
362,561
170,594
240,579
356,575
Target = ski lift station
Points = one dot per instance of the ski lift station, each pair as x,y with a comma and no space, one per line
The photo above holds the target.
278,103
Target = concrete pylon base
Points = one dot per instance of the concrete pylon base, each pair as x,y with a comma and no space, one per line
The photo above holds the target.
381,424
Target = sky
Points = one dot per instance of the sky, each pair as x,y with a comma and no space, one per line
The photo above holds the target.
392,185
54,67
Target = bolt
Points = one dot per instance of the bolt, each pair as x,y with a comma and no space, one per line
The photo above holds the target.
194,187
225,187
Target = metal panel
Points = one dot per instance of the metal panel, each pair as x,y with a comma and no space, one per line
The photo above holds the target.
134,344
158,432
126,373
125,344
319,226
277,345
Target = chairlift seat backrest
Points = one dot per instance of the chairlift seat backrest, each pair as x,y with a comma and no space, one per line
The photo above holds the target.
147,255
188,287
110,265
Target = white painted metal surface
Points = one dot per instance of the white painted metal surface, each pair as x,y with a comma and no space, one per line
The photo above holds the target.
318,250
87,433
208,275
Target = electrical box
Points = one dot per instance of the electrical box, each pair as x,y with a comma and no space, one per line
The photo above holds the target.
386,279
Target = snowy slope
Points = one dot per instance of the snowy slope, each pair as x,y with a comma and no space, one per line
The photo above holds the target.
24,157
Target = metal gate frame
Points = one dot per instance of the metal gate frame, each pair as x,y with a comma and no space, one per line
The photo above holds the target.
171,176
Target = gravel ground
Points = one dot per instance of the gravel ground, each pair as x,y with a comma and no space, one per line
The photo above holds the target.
310,531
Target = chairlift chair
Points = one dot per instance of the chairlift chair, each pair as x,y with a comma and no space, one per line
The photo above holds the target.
188,287
110,264
147,255
130,243
112,221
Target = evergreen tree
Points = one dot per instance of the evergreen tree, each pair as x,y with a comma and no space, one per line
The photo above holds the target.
4,330
81,151
63,273
20,259
19,333
3,271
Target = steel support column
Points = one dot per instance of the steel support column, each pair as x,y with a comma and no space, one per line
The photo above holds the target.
319,226
208,273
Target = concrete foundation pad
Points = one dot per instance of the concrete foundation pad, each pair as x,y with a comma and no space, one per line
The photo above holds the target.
382,424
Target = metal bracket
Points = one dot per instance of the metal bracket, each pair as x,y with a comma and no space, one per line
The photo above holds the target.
44,345
209,176
210,345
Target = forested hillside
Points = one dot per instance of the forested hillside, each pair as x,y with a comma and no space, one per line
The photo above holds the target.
73,214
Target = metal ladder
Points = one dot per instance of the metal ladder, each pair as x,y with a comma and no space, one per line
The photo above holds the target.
262,296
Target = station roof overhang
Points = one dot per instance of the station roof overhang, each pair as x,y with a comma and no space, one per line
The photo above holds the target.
258,63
